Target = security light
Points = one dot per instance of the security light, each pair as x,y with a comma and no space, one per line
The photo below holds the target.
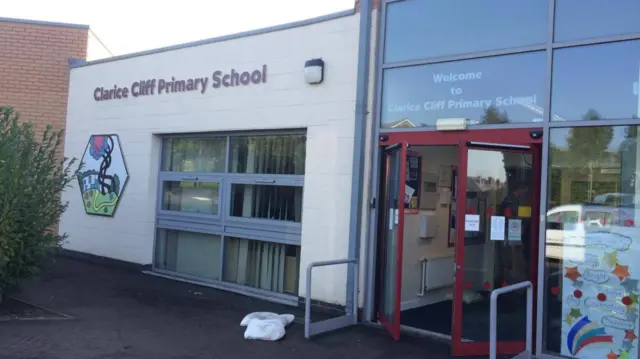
314,71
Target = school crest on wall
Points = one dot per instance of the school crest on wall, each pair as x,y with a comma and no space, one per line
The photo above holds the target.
103,175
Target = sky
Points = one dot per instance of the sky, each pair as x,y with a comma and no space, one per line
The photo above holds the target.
127,26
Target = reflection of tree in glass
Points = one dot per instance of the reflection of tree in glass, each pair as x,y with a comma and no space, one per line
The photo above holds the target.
588,145
202,155
272,154
588,153
628,160
494,116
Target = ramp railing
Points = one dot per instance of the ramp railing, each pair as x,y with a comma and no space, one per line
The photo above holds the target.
493,319
351,316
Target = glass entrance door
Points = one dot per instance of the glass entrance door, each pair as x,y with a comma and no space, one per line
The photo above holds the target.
393,205
496,244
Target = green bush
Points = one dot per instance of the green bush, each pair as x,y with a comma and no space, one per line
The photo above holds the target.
32,177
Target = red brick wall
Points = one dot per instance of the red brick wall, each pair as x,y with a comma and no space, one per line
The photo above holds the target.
34,69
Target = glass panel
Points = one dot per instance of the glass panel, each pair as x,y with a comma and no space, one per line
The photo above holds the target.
576,20
189,253
282,155
592,249
417,29
281,203
431,248
596,82
390,240
497,250
194,154
493,90
264,265
189,196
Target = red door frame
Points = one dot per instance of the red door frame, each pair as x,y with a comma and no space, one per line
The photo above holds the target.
516,137
393,324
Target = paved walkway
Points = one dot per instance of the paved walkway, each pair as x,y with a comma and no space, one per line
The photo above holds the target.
123,314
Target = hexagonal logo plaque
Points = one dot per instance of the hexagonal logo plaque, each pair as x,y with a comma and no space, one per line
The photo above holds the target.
103,175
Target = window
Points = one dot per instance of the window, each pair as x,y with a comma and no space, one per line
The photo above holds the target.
576,20
190,196
591,265
417,29
194,155
232,203
283,203
268,154
189,253
268,266
598,82
496,90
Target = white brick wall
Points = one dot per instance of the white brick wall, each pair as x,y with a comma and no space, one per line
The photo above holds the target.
285,101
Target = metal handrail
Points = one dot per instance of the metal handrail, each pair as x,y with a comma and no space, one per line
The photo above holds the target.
493,316
423,277
307,301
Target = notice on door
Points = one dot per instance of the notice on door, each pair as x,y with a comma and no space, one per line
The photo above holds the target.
515,230
408,193
497,228
472,223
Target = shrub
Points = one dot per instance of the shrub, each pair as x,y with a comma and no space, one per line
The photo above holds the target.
32,177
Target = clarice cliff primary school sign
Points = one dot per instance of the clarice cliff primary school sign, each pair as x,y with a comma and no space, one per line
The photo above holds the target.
163,86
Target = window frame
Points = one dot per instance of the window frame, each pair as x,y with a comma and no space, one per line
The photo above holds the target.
384,58
572,120
385,79
221,283
162,234
189,177
261,180
560,11
230,148
224,272
549,46
223,224
197,136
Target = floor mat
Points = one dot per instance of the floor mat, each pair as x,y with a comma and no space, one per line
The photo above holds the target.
475,320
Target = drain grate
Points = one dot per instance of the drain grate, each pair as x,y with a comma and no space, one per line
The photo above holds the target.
13,309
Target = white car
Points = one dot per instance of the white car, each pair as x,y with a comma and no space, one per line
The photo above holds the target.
568,226
615,199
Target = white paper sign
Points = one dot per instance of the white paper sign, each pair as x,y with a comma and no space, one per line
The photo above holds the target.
497,228
514,232
472,223
408,193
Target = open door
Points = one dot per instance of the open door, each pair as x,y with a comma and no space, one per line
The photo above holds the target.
496,246
393,204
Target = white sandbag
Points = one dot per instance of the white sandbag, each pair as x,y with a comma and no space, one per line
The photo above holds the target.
286,319
265,329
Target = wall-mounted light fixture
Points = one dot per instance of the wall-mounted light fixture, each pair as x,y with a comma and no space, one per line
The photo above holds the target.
314,71
451,124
